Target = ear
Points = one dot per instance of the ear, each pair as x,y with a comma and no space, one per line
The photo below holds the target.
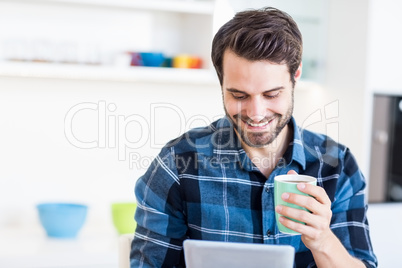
298,72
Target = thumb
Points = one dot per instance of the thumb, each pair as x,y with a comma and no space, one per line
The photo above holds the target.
292,172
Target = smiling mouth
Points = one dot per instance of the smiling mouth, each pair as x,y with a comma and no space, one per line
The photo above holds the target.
260,124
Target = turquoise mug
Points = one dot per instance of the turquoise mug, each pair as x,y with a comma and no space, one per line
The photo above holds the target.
288,184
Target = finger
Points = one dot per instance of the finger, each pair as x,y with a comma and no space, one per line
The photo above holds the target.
299,215
311,204
316,191
292,172
303,229
308,202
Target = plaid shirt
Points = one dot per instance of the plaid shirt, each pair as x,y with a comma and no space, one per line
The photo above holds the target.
204,186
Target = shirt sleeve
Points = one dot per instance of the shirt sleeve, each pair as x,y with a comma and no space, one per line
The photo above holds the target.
349,221
161,226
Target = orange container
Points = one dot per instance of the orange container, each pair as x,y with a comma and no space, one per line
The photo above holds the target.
187,61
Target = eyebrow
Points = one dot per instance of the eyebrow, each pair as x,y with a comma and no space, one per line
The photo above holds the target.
234,90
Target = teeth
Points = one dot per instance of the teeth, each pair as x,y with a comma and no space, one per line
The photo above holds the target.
258,125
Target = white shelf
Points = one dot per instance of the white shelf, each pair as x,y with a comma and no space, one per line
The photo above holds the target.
107,73
121,74
180,6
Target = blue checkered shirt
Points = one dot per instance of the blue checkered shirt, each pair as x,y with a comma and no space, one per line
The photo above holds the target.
204,186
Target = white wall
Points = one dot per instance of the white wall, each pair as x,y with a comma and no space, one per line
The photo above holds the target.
344,83
384,46
383,57
39,163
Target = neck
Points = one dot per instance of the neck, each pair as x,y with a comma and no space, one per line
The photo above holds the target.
266,158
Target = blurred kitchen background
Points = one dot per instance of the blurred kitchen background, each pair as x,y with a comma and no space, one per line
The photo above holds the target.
82,113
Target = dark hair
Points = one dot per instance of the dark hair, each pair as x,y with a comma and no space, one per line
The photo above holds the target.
259,34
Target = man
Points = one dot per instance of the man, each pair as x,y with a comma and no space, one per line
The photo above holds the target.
216,183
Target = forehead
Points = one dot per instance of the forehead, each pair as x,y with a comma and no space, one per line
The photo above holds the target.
240,72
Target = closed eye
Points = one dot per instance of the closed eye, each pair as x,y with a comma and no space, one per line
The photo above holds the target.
239,96
272,95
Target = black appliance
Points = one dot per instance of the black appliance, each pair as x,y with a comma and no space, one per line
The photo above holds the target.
386,150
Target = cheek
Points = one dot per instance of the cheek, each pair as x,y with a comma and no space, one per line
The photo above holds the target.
280,105
233,107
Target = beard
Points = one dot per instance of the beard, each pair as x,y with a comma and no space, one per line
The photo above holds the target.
259,139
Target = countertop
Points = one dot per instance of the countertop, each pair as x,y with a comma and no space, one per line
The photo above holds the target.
30,247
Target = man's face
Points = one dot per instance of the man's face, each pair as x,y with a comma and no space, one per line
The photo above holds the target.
257,97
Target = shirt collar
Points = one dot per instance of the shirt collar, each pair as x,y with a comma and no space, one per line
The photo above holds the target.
296,145
225,141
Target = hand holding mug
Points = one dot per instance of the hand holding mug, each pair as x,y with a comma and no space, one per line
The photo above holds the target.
307,212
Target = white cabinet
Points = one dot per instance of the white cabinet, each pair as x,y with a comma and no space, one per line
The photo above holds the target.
91,35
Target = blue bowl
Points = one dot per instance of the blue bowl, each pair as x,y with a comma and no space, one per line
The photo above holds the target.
62,220
152,59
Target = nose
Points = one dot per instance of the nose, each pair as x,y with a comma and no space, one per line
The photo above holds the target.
256,110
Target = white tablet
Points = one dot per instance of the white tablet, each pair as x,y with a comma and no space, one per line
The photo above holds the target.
211,254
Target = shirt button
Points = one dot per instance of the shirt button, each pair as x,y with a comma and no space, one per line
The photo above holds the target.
267,189
269,232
